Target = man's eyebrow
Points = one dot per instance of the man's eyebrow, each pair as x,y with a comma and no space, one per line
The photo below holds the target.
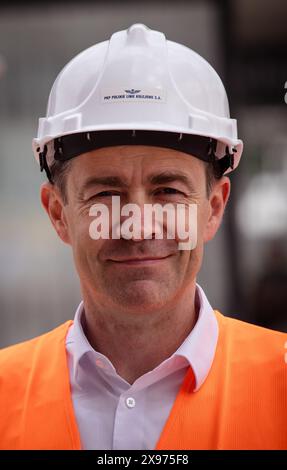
166,177
112,181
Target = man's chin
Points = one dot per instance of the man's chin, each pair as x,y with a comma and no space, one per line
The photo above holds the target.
142,295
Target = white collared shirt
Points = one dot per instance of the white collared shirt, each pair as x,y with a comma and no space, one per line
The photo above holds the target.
114,415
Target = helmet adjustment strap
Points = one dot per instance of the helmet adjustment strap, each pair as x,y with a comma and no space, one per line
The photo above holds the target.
44,164
220,165
69,146
204,148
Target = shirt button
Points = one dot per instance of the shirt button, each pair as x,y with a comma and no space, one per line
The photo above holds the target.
130,402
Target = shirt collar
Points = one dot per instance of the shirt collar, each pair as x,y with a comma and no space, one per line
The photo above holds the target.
198,349
200,345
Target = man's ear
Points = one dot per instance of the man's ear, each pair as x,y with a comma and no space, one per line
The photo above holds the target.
216,205
53,204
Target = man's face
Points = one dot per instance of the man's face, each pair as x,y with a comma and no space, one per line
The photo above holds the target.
110,269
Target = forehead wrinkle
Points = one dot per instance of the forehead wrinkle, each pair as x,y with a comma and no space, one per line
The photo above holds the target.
124,177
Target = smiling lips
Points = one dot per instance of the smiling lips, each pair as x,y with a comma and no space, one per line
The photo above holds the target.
140,261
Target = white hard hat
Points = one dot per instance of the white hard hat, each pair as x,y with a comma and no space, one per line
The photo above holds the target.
138,88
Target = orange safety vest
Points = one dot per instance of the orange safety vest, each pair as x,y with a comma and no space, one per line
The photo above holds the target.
241,405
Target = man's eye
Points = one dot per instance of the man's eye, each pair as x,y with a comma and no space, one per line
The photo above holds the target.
104,194
168,191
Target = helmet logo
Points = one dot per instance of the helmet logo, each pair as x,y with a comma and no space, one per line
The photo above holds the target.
131,95
132,91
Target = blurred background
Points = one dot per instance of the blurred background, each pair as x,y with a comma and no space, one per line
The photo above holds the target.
245,268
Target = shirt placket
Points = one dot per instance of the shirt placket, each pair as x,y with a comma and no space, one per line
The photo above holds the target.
129,420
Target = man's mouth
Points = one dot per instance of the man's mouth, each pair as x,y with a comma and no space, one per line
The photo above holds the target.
140,261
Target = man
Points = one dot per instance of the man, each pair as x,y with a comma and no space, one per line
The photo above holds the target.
147,363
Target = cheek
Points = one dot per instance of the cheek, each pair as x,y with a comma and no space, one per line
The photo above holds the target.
85,248
202,221
196,229
190,262
190,224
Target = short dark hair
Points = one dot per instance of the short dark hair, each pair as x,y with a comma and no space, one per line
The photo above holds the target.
60,169
211,176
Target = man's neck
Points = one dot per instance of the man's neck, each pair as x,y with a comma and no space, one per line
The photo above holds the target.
136,344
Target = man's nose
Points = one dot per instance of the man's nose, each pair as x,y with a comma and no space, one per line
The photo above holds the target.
138,196
136,224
